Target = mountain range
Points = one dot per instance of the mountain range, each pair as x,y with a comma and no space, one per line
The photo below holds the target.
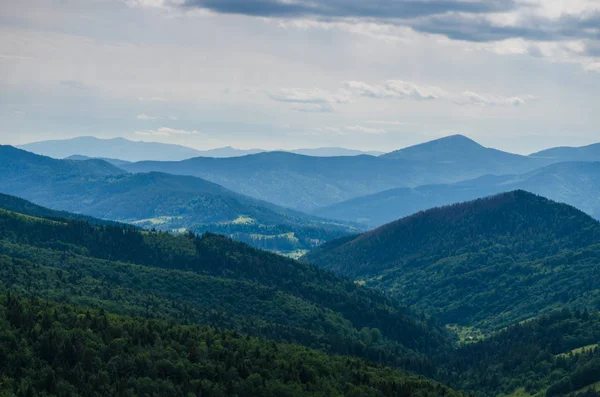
487,263
124,150
157,200
306,183
574,183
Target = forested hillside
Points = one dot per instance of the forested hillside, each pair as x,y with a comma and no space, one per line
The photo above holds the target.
210,280
555,355
160,201
489,263
61,350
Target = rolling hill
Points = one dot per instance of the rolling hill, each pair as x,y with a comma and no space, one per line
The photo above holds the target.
487,263
576,184
306,182
157,314
208,280
155,200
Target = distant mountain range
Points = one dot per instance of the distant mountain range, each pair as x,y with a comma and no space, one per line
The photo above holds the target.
306,183
124,150
584,153
162,201
486,263
576,183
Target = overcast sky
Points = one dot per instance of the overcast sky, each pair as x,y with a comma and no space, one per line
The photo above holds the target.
519,75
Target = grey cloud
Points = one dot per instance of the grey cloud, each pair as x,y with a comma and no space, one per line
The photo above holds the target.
457,19
592,48
350,8
479,29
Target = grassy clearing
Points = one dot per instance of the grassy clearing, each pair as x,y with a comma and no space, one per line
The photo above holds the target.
466,334
579,350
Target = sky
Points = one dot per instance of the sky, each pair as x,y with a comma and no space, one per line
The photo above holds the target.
518,75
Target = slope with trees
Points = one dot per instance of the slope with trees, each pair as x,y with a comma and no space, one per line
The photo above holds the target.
488,263
155,200
209,280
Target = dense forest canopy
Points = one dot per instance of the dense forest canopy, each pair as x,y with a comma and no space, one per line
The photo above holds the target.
488,263
178,298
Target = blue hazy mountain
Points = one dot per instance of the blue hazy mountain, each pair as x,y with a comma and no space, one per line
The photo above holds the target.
574,183
306,182
565,153
157,200
121,149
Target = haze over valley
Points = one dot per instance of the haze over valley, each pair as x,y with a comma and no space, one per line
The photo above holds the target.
273,198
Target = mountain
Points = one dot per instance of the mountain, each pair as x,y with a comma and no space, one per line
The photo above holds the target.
209,280
115,162
15,204
306,183
334,152
116,148
155,200
564,153
458,151
156,314
487,263
576,184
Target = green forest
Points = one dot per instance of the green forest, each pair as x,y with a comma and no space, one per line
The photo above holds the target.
90,308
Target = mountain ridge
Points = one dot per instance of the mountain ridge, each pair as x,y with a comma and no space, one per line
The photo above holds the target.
513,243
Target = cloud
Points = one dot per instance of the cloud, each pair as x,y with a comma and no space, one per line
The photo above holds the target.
166,131
309,100
468,21
395,89
385,9
312,95
399,89
143,116
473,98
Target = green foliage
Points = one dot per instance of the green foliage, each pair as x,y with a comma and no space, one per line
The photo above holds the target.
487,263
209,280
61,350
536,355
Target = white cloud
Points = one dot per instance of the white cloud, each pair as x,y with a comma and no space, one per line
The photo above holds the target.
173,118
395,89
166,131
311,95
143,116
474,98
399,89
